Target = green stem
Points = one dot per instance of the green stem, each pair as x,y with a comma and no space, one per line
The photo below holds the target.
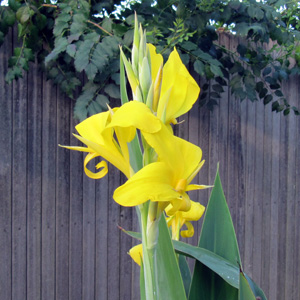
149,284
150,216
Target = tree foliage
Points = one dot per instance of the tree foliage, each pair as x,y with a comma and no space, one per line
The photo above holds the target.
75,37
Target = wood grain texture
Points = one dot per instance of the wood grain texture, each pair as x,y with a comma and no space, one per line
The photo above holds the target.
49,148
34,184
19,185
6,127
59,236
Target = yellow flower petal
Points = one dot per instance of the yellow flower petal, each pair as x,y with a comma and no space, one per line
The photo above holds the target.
136,253
184,89
177,220
110,152
181,156
102,165
189,232
153,182
195,213
193,187
136,114
156,61
100,140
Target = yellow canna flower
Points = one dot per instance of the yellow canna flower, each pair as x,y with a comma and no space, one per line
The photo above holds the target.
176,91
181,218
136,253
166,180
111,143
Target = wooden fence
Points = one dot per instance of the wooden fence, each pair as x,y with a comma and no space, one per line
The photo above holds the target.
58,229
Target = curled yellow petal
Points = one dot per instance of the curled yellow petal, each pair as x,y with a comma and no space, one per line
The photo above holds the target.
100,165
136,253
189,232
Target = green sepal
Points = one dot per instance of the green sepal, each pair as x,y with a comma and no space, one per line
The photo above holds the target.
123,89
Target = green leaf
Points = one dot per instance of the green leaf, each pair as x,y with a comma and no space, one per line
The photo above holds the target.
257,291
71,50
24,13
216,70
60,46
199,67
113,91
14,4
91,71
217,88
82,55
28,55
218,236
83,104
224,268
245,292
9,17
79,24
59,27
185,273
142,283
268,99
170,285
123,89
188,45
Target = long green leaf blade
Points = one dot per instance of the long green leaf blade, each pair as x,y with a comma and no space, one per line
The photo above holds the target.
245,292
170,285
218,236
185,273
222,267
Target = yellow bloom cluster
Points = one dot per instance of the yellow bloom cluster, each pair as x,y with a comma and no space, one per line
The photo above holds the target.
162,94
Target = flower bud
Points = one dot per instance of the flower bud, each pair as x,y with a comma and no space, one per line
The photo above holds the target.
145,78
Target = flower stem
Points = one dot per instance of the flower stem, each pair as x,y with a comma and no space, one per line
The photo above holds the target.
150,215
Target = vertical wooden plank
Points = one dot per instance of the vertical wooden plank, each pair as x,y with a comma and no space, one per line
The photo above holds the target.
49,150
204,134
267,173
214,125
235,181
113,238
76,217
19,201
102,199
62,199
297,199
257,190
248,137
282,209
6,119
125,245
224,39
290,290
34,184
89,213
135,281
274,199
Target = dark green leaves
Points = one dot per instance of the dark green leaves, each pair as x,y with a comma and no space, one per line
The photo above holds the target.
77,39
19,62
